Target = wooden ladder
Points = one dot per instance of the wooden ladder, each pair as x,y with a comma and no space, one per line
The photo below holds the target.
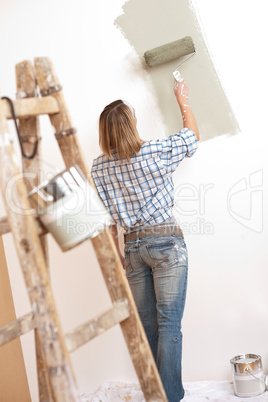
39,92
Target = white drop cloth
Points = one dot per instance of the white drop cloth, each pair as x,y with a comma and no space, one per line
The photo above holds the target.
201,391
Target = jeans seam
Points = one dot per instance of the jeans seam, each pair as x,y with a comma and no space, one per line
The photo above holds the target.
141,259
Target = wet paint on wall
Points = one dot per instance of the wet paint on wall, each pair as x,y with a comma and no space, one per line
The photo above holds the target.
147,24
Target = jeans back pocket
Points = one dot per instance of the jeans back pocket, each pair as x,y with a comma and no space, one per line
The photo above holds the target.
163,254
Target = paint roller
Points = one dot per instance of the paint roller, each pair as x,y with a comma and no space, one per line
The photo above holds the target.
171,51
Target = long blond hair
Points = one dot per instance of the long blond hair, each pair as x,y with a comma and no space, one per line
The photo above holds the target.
118,132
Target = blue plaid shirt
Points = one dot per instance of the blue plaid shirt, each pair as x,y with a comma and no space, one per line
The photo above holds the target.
141,191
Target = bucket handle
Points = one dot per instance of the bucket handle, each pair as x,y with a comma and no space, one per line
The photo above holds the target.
256,378
18,131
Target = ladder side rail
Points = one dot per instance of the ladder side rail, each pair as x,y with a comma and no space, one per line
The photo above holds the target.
29,128
34,268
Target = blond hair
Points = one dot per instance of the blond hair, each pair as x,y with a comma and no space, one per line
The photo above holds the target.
118,132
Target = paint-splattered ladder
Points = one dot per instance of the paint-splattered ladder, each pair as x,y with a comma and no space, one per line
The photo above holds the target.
55,374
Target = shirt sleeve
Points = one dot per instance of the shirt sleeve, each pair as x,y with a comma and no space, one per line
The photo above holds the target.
176,147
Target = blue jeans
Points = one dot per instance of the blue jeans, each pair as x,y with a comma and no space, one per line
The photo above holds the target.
156,269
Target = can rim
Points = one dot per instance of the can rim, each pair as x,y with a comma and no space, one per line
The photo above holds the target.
59,174
235,359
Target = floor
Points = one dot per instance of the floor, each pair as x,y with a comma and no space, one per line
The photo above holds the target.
202,391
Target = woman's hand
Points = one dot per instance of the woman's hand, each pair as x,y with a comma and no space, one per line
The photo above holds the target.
122,259
181,91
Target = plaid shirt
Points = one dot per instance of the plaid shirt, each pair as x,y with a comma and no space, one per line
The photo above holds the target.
141,191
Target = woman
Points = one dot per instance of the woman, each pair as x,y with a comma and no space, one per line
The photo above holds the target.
134,180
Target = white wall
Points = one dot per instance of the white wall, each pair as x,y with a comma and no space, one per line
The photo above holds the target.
225,228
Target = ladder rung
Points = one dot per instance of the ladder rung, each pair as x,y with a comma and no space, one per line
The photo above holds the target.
32,107
74,339
5,227
16,328
85,332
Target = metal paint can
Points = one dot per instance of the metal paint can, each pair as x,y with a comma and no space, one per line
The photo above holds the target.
70,208
248,377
